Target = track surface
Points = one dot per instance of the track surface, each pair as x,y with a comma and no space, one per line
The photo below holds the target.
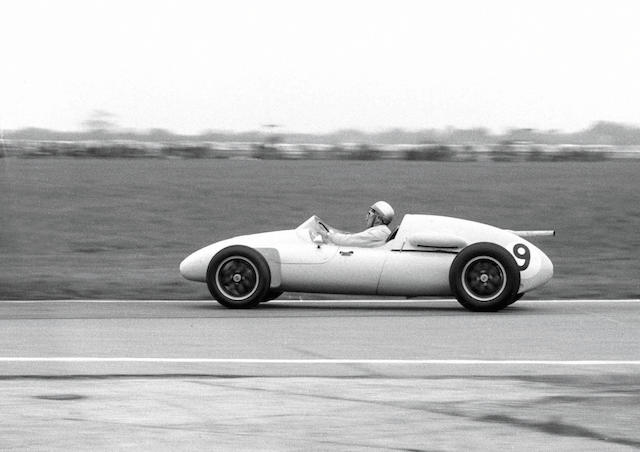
421,337
423,375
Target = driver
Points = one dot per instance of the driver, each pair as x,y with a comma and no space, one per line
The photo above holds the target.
378,217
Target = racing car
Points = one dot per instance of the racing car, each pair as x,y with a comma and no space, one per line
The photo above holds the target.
484,267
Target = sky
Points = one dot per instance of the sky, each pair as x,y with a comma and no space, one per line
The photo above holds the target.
319,66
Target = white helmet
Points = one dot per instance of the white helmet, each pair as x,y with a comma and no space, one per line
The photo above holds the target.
384,211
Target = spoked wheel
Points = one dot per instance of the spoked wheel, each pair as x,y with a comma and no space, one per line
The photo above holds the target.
484,277
238,277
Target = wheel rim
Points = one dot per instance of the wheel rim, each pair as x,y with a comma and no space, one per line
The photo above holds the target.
484,278
237,278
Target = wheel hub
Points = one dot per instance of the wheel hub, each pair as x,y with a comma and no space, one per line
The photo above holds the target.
483,278
237,278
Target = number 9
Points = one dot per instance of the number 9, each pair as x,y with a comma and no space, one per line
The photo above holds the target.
522,252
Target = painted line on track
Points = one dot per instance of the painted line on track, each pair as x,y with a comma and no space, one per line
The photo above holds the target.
389,301
392,362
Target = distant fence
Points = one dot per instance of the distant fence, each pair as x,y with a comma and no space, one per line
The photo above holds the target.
420,152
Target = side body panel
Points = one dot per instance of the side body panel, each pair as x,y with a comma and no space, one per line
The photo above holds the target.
416,273
349,270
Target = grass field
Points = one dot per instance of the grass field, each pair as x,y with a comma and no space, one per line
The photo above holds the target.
87,228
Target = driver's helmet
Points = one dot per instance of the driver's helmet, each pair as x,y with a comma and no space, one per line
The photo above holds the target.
384,211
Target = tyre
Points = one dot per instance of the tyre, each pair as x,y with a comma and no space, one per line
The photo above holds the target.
516,298
272,294
484,277
238,277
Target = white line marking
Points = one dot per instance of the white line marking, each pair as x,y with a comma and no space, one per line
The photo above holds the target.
387,301
78,359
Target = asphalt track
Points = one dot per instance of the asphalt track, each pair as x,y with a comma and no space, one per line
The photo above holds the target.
329,338
335,374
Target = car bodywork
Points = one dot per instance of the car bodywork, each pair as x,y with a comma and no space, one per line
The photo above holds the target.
415,261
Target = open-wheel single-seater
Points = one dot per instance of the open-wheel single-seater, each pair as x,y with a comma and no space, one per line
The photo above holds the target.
486,268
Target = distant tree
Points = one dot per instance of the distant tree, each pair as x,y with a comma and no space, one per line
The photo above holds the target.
160,134
100,121
605,132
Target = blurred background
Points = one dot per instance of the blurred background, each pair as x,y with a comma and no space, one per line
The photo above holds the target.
133,133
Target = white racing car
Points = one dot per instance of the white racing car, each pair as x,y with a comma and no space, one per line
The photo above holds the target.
484,267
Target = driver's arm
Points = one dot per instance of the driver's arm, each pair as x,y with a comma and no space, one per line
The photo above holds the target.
370,237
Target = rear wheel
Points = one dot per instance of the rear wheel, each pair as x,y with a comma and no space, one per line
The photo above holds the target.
516,298
238,277
272,294
484,277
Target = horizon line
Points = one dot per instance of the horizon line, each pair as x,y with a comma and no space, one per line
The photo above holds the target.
270,130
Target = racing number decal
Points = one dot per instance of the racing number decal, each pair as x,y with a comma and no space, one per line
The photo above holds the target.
522,252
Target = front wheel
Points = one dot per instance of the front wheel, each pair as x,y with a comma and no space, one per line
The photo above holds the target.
484,277
238,277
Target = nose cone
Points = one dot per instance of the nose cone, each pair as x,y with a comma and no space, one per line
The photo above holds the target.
191,268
